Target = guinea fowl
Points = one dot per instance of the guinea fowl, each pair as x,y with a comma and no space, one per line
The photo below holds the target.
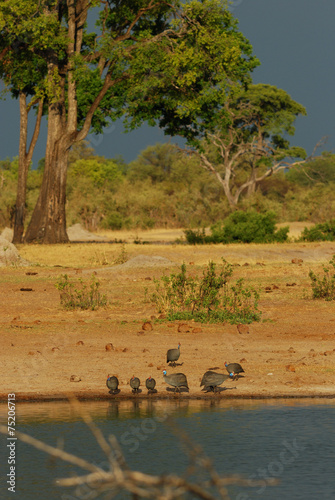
177,380
173,355
233,369
150,384
112,384
211,380
135,384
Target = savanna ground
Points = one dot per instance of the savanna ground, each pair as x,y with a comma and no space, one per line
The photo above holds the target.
290,352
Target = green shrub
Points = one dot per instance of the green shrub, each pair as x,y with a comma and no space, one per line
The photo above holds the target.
80,295
207,298
196,237
319,232
112,220
323,287
242,227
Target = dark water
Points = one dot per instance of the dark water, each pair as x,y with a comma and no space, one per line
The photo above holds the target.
293,441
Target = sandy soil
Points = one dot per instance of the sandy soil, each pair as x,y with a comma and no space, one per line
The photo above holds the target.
290,353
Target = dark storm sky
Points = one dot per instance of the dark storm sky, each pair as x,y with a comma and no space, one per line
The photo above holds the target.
295,42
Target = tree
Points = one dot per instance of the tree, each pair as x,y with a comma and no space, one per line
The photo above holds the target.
23,73
320,169
251,144
153,61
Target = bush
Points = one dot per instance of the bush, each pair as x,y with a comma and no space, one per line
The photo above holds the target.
80,295
319,232
242,227
112,221
323,287
208,298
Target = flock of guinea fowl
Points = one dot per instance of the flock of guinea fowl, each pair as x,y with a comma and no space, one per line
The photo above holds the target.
210,381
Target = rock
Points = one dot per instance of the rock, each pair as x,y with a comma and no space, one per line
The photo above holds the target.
297,261
290,368
147,326
78,233
75,378
9,254
80,342
291,349
8,234
109,347
183,327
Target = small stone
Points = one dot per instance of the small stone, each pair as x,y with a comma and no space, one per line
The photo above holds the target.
55,349
290,368
147,326
75,378
109,347
291,284
145,350
243,360
297,261
150,365
291,349
183,327
125,349
80,342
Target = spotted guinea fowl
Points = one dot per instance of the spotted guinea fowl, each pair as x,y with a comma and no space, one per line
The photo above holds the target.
135,384
233,369
150,384
173,355
177,380
112,384
211,380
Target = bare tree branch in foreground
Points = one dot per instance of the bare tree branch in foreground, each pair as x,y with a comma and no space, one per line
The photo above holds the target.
120,478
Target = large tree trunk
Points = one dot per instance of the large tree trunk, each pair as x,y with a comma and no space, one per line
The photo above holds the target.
48,222
24,162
